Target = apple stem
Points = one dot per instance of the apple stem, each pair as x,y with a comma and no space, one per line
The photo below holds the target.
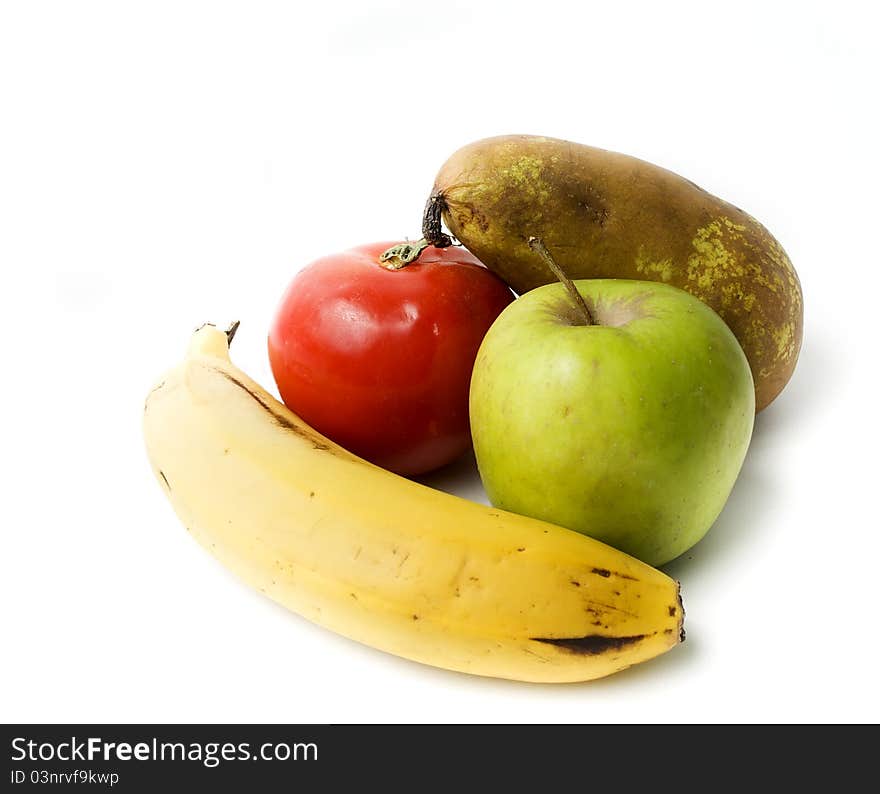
537,244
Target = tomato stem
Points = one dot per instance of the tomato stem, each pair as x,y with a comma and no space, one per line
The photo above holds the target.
399,256
402,254
537,244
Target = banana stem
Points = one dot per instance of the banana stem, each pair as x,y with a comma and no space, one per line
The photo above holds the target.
537,244
230,332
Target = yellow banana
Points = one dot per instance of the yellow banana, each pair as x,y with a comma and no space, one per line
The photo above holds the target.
384,560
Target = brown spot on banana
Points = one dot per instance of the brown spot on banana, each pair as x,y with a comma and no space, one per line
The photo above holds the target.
282,421
605,573
591,644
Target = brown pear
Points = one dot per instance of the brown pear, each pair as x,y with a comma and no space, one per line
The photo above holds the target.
608,215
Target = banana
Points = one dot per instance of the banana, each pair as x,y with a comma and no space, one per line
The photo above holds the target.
384,560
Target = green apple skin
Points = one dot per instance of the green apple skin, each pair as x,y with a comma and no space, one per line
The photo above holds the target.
631,430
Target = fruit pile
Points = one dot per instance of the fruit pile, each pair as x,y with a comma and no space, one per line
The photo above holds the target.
610,407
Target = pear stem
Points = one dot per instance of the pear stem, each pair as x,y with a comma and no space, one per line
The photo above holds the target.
537,244
432,218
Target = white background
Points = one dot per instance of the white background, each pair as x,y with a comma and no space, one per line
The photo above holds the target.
167,163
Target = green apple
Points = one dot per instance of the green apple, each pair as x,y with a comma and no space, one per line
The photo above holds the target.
626,419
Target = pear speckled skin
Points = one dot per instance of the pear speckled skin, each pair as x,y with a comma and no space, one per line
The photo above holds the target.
609,215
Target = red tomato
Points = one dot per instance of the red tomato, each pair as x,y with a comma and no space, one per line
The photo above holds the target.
380,360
